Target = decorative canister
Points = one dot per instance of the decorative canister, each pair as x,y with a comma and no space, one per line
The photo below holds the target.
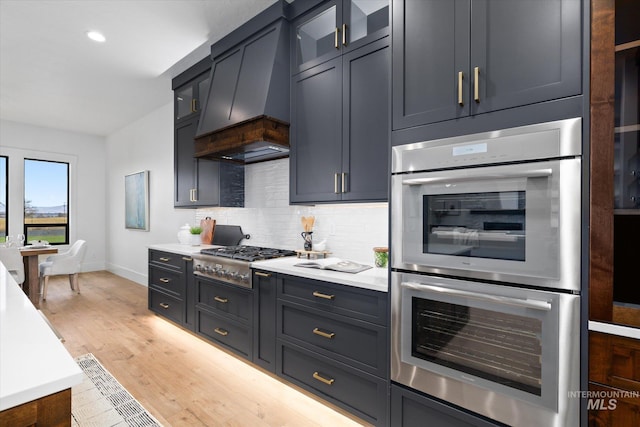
184,235
381,256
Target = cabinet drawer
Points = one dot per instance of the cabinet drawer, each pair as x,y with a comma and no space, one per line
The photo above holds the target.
166,305
231,334
169,281
167,259
224,299
360,393
348,301
357,343
614,361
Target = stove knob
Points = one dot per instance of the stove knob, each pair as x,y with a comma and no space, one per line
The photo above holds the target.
197,267
243,278
208,269
220,272
230,275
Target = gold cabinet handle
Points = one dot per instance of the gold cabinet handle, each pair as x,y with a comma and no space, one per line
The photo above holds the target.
193,105
194,195
328,335
221,331
476,84
184,258
460,77
261,274
322,379
344,34
164,305
344,179
220,299
323,296
165,259
163,280
335,183
335,44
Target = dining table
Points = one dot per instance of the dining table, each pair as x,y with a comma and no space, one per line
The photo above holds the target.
31,284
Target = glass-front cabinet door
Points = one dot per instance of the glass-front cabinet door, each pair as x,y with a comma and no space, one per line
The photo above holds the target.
184,102
336,27
364,19
626,167
190,98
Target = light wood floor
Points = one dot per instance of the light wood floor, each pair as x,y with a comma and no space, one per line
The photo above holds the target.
181,379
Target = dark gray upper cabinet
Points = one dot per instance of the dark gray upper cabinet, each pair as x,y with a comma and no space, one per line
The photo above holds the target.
336,27
340,128
189,96
466,57
200,182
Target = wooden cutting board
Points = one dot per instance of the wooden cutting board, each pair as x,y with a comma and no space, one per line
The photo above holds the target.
208,226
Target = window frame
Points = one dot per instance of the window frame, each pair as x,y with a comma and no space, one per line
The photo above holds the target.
67,226
3,239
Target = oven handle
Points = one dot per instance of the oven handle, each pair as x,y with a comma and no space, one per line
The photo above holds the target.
532,173
518,302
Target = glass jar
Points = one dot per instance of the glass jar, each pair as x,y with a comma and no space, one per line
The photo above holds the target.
381,256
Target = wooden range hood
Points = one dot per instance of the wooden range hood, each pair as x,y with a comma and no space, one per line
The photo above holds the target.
254,140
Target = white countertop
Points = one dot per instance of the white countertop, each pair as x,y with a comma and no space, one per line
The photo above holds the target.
376,279
614,329
178,248
33,362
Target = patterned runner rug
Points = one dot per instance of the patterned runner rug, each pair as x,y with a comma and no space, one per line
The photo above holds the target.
101,401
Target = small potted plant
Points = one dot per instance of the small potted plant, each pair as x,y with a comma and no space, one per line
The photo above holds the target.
195,235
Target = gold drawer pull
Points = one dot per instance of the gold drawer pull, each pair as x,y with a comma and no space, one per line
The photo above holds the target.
165,259
163,280
221,332
322,379
328,335
164,305
184,258
220,299
324,296
261,274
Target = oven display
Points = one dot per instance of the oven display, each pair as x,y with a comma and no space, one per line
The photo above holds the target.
481,225
499,347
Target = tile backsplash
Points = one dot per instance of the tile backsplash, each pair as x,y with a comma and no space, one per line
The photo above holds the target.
350,230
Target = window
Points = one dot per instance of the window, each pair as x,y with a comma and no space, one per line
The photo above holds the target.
4,185
46,201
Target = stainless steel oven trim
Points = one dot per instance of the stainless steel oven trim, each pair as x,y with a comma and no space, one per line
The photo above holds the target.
565,275
561,138
464,390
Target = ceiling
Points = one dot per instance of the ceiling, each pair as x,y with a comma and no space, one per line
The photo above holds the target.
52,75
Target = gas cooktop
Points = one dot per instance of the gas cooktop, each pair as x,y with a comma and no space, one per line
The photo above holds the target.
231,264
247,253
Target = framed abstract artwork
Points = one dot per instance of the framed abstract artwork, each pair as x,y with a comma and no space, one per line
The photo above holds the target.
136,201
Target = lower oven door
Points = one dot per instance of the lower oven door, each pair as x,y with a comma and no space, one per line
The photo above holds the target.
508,353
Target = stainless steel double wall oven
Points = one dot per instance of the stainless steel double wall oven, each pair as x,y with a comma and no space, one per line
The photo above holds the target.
485,281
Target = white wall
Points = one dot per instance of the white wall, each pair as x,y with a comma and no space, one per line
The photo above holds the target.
146,144
85,155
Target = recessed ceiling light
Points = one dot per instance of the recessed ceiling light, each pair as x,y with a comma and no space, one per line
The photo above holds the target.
96,36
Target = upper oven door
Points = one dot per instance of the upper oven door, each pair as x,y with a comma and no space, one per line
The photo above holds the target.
517,223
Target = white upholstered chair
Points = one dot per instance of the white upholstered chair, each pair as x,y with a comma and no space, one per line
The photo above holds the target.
68,262
12,260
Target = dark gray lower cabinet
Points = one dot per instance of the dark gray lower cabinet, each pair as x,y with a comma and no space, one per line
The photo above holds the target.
169,277
412,409
332,340
264,319
224,315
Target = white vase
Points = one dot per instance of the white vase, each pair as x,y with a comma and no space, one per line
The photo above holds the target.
196,240
184,235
